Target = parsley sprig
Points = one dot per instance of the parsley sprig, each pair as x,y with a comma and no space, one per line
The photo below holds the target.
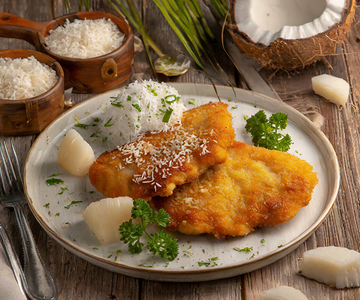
265,132
159,243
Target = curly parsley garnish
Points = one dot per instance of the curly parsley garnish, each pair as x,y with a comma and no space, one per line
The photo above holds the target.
265,132
159,243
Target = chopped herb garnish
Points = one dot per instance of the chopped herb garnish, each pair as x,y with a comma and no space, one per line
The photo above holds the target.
108,123
167,115
265,132
82,126
280,246
54,181
72,203
57,214
176,99
159,243
147,266
94,135
137,107
47,205
63,189
262,241
94,248
116,104
201,263
211,262
192,101
54,175
245,249
187,253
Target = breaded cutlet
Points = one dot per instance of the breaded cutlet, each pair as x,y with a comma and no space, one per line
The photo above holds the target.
254,187
158,162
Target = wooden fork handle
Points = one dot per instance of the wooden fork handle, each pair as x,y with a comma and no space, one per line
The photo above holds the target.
38,281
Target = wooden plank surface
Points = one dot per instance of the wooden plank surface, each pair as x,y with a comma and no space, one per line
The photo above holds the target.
78,279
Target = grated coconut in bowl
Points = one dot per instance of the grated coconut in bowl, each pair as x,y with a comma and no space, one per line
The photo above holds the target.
23,78
85,38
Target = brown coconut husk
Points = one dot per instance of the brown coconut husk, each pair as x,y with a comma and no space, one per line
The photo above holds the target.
291,54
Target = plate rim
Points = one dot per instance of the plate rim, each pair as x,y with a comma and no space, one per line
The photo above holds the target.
205,274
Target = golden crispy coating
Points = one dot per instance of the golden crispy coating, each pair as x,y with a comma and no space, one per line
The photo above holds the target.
155,164
254,187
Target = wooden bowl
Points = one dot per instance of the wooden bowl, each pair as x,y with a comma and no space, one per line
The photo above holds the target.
32,115
90,75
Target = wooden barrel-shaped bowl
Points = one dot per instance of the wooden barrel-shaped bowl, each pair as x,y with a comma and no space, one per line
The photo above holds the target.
32,115
88,75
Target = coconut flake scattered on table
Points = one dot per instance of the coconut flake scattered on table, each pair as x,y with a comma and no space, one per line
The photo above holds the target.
85,38
332,88
23,78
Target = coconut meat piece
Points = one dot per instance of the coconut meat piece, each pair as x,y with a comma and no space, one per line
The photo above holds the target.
266,21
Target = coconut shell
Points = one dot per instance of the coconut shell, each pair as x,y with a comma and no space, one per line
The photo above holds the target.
291,54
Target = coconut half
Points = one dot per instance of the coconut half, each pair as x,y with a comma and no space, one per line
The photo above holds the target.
289,34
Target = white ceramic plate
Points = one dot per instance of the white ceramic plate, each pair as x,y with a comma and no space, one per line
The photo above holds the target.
201,257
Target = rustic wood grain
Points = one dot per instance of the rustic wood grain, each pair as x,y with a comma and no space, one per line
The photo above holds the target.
77,279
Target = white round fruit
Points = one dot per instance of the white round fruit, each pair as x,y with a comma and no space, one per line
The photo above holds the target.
75,155
335,266
105,216
282,293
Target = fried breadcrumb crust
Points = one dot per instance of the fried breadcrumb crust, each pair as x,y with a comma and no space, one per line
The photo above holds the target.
254,187
155,164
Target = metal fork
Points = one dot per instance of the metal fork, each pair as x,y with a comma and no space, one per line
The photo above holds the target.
13,258
38,283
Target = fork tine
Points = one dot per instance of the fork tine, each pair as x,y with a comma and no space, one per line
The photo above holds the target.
5,171
17,165
13,176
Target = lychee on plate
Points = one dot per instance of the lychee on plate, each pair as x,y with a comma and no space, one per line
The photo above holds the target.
105,216
335,266
75,155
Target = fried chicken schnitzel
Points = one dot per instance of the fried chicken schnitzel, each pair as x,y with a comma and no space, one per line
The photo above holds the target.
254,187
156,163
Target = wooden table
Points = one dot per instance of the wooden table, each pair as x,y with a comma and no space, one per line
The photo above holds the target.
78,279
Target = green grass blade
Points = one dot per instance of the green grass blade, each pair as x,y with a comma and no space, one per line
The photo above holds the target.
139,27
179,33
